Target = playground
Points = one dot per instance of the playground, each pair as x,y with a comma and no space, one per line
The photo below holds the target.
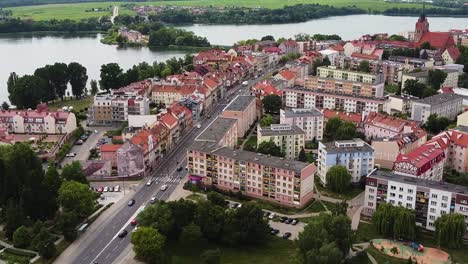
427,256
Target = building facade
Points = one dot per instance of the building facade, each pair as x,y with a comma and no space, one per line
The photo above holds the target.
443,105
222,131
112,108
244,109
356,155
290,138
308,119
37,121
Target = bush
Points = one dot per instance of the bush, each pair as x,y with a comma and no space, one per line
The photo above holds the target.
21,253
22,237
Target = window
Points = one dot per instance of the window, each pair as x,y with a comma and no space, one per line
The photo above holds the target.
371,190
400,196
433,210
409,198
444,205
401,189
434,203
432,217
393,187
370,204
434,195
410,190
444,198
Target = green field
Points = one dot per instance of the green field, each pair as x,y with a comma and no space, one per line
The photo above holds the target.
77,11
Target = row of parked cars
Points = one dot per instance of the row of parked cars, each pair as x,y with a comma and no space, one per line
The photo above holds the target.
106,189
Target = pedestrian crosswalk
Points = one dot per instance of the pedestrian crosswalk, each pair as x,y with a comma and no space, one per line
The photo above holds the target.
167,179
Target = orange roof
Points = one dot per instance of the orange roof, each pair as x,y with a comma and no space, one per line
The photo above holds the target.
110,147
453,52
351,117
287,74
437,39
423,157
169,120
141,139
210,83
337,47
364,56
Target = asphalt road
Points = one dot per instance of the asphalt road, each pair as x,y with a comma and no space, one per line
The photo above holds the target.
105,246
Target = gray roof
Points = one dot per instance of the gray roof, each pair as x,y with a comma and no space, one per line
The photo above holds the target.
461,128
441,98
333,149
425,73
249,156
323,91
302,112
216,130
389,176
271,131
240,103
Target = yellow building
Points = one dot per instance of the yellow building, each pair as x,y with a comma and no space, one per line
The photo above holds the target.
290,138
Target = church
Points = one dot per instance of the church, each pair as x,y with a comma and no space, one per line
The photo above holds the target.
438,40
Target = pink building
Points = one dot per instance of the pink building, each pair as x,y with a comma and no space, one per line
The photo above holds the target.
378,125
222,131
109,152
244,110
286,182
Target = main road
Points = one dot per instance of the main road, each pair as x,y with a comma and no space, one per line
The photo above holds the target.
104,246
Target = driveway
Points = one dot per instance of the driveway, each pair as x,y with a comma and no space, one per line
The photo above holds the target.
82,151
283,228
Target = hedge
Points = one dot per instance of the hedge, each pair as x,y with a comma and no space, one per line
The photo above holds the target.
18,252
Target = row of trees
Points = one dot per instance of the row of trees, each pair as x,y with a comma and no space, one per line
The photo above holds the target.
167,36
15,25
435,79
435,124
428,11
47,84
194,225
318,37
337,129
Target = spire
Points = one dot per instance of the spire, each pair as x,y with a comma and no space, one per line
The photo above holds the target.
422,17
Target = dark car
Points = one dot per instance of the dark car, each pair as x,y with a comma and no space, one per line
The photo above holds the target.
180,169
131,202
283,219
288,221
123,233
294,222
266,214
274,231
287,235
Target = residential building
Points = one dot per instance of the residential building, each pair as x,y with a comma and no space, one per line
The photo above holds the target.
130,160
289,46
299,97
109,152
244,109
331,54
346,87
346,75
97,169
399,104
350,117
462,119
455,143
450,55
37,121
286,75
309,120
139,121
222,131
286,182
132,36
115,108
443,105
290,138
356,155
428,199
265,88
378,125
423,77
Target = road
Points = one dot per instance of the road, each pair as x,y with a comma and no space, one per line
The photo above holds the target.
115,13
103,246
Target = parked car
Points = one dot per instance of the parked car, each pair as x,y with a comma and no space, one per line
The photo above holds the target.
123,233
111,189
134,222
100,189
149,182
180,169
288,221
274,231
131,202
164,187
272,216
106,189
294,222
79,142
153,200
117,188
283,219
287,235
71,154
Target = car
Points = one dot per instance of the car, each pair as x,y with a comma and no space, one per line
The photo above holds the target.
71,154
209,116
153,200
288,221
164,187
272,216
198,126
111,189
117,188
239,205
134,222
286,235
102,140
149,182
123,233
100,189
131,202
135,229
106,189
102,197
79,142
283,219
95,131
266,214
180,169
274,231
294,222
245,83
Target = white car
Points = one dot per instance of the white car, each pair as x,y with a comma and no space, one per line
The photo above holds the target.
153,199
117,188
272,216
106,189
70,155
198,126
149,182
164,187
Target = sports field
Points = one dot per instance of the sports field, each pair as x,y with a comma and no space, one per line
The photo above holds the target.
78,11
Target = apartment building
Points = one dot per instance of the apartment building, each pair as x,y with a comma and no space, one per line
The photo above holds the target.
378,125
113,108
37,121
222,131
290,138
309,120
423,77
443,105
356,155
299,97
244,109
347,75
429,199
399,104
286,182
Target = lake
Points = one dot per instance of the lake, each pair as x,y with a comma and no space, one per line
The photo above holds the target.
24,53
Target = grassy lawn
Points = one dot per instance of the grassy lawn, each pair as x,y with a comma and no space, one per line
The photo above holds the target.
458,255
250,143
384,258
366,232
78,105
350,194
12,258
196,197
276,250
77,11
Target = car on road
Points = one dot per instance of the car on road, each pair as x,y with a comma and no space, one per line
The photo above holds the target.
287,235
153,200
106,189
164,187
134,222
274,231
123,233
294,222
198,126
117,188
283,219
149,182
79,142
70,155
272,216
180,169
245,83
131,202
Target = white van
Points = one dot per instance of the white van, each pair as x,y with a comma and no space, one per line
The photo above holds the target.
245,83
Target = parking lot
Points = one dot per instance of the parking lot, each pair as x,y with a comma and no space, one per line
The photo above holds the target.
125,188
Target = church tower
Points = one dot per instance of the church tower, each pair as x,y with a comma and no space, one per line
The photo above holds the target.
422,26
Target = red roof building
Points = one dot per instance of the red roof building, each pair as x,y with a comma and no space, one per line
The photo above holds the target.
109,152
351,117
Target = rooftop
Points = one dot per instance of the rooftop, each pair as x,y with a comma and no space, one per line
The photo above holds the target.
389,176
249,156
216,130
441,98
302,112
240,103
347,146
280,129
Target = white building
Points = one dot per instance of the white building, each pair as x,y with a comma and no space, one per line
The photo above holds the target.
444,105
309,119
37,121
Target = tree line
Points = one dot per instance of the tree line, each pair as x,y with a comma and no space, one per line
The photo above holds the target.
428,11
14,25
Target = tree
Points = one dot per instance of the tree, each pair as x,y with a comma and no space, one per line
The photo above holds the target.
268,37
148,245
210,218
340,208
47,249
59,78
74,172
183,213
426,45
191,236
436,78
78,78
435,124
14,219
272,103
5,106
450,229
394,250
364,66
267,120
12,79
415,88
302,155
51,183
402,227
76,197
338,179
43,242
216,198
111,76
211,256
67,222
383,219
94,87
22,237
28,91
269,147
326,254
158,217
463,80
346,131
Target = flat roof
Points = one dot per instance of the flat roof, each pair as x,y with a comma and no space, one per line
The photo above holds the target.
443,186
331,148
249,156
323,91
281,129
441,98
302,112
216,130
240,103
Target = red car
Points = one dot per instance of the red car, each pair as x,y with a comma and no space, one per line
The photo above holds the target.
100,189
134,222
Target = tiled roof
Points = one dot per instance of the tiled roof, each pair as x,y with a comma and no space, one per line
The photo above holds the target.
290,43
287,74
422,157
364,56
351,117
266,88
169,120
453,52
388,122
437,39
110,147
